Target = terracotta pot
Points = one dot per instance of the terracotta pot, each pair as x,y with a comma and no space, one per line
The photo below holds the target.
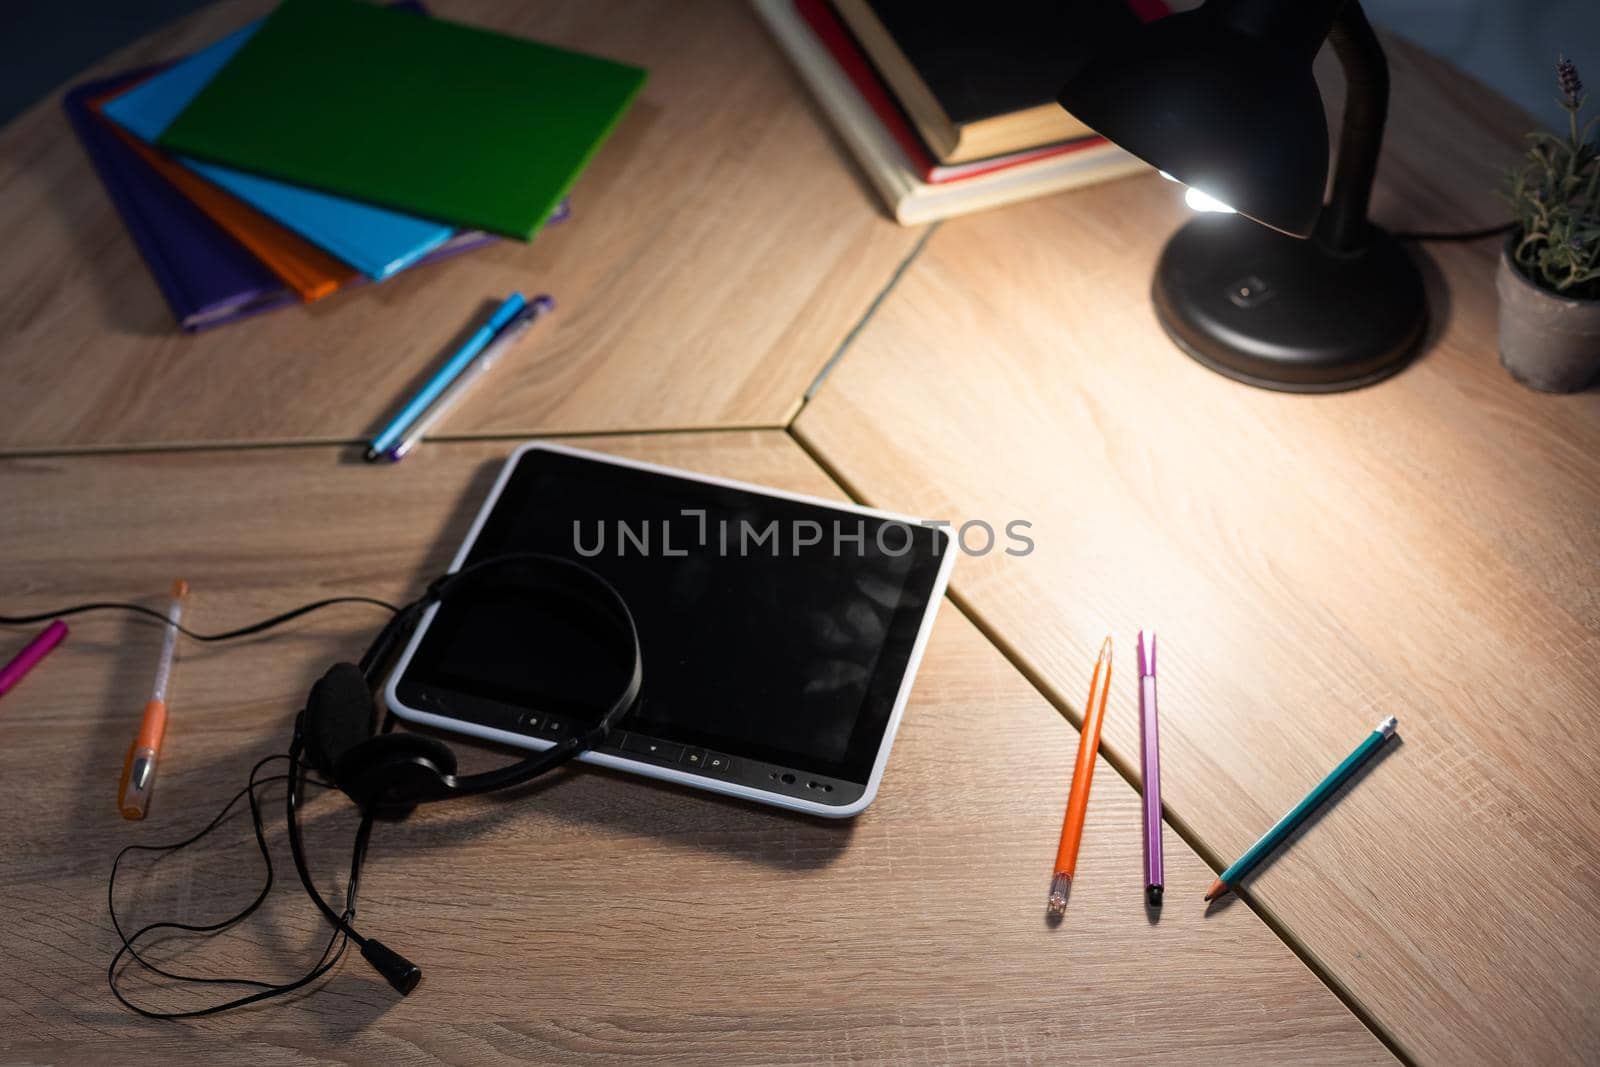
1547,341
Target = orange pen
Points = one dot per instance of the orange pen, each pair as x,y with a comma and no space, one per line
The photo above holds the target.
139,770
1094,713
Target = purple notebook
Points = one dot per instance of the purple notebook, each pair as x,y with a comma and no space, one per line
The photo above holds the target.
207,277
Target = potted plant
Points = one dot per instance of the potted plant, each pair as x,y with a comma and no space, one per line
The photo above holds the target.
1549,276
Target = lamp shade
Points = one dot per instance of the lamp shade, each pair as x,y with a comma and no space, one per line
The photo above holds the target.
1224,106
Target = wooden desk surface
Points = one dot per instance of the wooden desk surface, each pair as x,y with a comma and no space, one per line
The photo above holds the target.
1428,548
699,283
604,916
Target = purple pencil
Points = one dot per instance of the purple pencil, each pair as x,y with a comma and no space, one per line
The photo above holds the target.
1150,763
31,654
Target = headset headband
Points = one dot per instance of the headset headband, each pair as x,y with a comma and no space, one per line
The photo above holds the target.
534,573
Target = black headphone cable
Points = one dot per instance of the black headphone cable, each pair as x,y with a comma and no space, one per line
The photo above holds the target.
248,630
331,953
342,931
401,973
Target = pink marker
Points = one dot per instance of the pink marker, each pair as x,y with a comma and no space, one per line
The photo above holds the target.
31,654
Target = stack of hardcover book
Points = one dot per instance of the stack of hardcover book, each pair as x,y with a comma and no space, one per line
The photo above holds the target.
950,108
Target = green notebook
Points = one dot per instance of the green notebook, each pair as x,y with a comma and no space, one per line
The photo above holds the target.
426,116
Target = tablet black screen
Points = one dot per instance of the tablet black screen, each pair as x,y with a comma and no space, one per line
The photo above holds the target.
770,628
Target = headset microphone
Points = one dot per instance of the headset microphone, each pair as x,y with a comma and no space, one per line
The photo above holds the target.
400,972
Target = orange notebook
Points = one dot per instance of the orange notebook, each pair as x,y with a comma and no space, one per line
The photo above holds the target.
304,267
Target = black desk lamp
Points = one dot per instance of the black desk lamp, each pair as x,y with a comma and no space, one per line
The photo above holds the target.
1315,299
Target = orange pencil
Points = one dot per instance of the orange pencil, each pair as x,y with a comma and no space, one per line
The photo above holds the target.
139,770
1094,713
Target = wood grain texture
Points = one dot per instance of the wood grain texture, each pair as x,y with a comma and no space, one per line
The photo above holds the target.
607,918
721,247
1426,548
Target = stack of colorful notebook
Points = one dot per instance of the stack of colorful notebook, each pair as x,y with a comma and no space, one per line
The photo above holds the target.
336,142
950,108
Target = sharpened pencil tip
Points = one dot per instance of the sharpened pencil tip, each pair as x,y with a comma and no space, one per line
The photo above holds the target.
180,589
1218,888
1105,648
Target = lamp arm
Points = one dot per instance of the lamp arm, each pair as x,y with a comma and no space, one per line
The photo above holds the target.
1342,226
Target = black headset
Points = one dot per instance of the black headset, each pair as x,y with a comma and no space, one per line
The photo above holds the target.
387,775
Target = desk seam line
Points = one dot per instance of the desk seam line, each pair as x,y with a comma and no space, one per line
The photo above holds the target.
161,448
861,323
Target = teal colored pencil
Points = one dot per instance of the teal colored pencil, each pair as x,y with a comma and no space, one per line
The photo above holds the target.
1301,811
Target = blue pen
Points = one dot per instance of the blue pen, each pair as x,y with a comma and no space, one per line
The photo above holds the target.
437,384
519,325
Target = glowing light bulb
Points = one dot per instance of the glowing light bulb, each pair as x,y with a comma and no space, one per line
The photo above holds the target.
1205,202
1199,201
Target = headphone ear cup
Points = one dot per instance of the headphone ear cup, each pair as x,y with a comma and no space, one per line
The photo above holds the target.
339,717
389,774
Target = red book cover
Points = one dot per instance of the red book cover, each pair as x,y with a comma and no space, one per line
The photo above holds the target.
1149,10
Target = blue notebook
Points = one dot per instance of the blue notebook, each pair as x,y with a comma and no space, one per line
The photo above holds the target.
373,240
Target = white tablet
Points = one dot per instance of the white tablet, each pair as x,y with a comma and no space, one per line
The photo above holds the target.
780,633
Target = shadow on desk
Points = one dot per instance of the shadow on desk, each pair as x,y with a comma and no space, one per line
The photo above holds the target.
622,808
1383,755
423,870
1437,292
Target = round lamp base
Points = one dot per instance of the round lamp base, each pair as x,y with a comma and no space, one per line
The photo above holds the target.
1283,313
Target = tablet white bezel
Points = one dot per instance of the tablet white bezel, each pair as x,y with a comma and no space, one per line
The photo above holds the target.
651,770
